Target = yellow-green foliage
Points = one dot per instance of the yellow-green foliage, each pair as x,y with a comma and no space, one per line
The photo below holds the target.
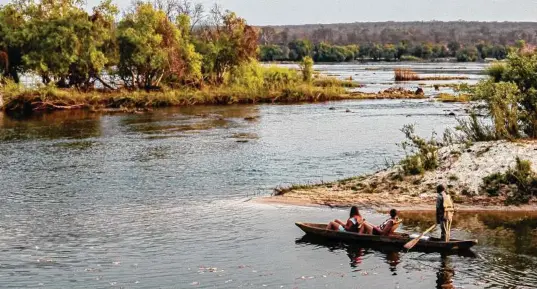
307,68
278,77
249,75
502,100
496,71
446,97
332,81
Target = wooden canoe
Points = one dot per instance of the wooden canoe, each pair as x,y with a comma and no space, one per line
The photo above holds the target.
398,239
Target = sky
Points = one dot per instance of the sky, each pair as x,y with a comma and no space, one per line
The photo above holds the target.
285,12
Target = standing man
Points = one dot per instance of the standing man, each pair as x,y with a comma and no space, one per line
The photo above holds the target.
444,212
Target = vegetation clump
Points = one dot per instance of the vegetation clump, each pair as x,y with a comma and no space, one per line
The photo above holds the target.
421,154
406,74
446,97
520,182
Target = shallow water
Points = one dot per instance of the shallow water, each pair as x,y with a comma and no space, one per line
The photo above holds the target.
163,200
379,76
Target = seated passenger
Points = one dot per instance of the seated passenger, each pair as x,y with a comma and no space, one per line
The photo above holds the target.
353,224
385,229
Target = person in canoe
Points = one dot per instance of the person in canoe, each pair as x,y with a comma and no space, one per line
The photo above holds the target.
386,228
354,223
444,212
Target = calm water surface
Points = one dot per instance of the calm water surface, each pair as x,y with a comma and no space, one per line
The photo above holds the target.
163,200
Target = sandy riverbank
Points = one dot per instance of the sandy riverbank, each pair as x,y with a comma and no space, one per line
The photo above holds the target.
461,169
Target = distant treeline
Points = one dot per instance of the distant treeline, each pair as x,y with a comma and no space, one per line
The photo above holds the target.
465,41
323,52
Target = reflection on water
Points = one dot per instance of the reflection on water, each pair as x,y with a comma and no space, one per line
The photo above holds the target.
77,124
512,230
392,257
446,273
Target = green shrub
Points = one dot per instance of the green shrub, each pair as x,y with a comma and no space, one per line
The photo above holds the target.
421,154
496,71
521,180
474,130
277,77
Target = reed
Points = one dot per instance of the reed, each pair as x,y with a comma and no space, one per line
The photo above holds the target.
406,74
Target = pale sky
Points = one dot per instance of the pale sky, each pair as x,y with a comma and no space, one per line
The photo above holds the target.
282,12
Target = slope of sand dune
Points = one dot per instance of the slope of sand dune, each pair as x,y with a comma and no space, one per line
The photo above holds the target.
461,170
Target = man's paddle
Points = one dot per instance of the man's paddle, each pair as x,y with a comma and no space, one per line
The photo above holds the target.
413,243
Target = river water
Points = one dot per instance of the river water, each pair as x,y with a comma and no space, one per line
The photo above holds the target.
164,199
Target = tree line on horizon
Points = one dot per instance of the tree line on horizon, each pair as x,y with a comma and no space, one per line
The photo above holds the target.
391,41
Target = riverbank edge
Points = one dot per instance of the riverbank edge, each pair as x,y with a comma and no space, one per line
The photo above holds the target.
50,99
387,206
461,171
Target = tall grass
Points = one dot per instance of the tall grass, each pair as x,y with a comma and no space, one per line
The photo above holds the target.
405,74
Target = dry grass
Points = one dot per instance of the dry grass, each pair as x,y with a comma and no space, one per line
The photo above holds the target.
406,74
446,97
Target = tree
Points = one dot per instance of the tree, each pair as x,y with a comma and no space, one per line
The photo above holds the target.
299,49
12,39
271,53
152,48
228,42
467,54
453,47
66,45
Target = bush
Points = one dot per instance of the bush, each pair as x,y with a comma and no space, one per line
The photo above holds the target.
496,71
307,69
511,96
521,181
474,130
421,154
277,77
248,75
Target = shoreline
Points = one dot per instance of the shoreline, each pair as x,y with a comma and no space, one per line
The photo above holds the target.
404,207
461,171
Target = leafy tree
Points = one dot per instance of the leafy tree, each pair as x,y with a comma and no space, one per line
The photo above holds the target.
467,54
228,43
12,39
454,47
152,49
146,40
271,53
511,96
299,49
64,44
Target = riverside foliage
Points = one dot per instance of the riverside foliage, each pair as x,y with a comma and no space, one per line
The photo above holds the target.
148,47
157,54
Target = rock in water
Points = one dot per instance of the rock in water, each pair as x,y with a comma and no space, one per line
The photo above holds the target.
419,91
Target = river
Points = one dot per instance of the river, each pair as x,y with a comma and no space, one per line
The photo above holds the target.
166,199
